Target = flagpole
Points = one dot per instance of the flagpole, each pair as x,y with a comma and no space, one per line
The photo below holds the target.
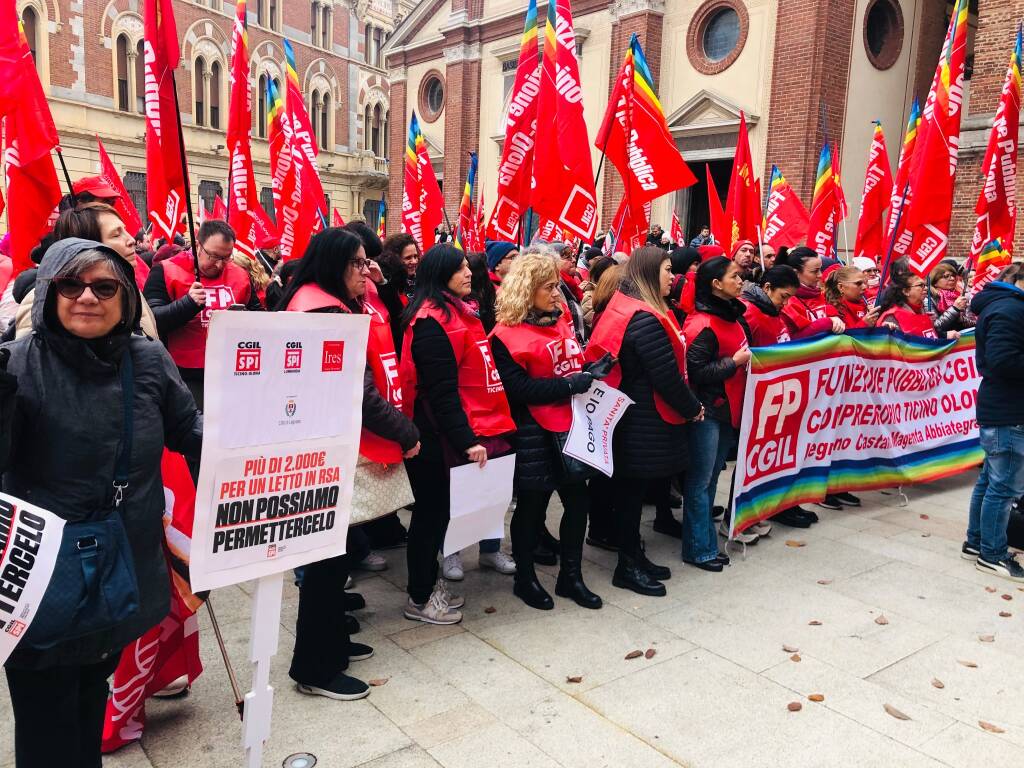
64,167
188,186
892,243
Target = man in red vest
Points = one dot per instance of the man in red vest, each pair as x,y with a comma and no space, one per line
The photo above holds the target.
183,301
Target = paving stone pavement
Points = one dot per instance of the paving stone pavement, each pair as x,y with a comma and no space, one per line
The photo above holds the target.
494,691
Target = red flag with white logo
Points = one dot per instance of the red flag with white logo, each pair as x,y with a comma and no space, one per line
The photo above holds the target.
874,199
123,205
743,203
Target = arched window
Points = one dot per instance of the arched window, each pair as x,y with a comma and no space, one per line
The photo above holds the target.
140,78
199,88
387,137
314,19
215,95
366,129
314,114
325,27
272,15
31,23
375,131
325,122
123,95
261,116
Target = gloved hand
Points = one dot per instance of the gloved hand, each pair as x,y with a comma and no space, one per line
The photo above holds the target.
579,382
599,369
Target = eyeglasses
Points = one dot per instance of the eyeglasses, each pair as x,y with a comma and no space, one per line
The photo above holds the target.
213,258
860,283
361,264
72,288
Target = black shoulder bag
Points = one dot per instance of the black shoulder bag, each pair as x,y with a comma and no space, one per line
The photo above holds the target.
93,587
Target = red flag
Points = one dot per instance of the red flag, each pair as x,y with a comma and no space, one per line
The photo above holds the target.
933,173
563,174
220,209
997,208
719,223
245,214
32,187
676,232
304,148
422,201
287,192
336,219
630,225
637,140
743,205
821,234
516,167
786,218
123,205
480,236
170,649
901,187
165,176
874,199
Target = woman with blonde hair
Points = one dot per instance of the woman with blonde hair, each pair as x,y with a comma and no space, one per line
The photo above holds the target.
844,298
639,329
259,276
541,365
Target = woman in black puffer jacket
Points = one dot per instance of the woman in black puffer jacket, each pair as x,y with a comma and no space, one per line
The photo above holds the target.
650,442
541,366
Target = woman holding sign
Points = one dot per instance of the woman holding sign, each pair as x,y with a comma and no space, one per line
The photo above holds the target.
541,366
90,407
639,329
332,277
453,392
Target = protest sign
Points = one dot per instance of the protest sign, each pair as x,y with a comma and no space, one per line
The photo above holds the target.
595,414
480,499
29,542
851,412
281,436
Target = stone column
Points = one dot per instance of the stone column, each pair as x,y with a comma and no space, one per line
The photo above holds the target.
462,121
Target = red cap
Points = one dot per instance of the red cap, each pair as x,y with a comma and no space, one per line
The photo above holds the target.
95,186
708,252
830,269
739,244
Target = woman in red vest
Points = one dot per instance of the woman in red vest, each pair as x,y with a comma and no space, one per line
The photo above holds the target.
764,303
844,294
453,392
805,314
541,366
903,307
333,277
717,352
639,329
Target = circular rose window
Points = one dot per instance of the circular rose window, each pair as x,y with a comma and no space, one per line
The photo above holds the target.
431,97
717,33
883,33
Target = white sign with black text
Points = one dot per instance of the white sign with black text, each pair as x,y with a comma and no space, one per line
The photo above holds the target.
595,414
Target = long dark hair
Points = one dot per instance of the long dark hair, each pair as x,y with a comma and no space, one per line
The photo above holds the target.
484,292
436,269
711,270
797,257
327,259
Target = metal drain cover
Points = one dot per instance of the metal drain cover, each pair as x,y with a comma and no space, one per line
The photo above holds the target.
299,760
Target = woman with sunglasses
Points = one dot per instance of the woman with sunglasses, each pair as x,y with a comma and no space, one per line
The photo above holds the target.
62,423
332,277
903,306
844,297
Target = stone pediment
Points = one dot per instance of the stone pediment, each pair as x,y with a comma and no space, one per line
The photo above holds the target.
707,113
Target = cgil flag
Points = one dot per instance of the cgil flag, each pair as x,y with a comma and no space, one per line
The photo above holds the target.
123,205
465,228
286,188
743,203
33,191
874,199
630,225
422,202
637,139
165,167
304,153
900,201
516,167
933,172
821,229
336,220
997,203
676,232
786,219
563,173
245,214
718,221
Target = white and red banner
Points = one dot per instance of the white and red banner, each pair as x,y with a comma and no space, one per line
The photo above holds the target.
595,414
853,412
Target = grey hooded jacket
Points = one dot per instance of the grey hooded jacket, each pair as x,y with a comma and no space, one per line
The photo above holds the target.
60,450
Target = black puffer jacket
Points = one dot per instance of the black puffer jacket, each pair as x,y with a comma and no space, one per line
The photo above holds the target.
62,445
538,466
1000,354
706,368
645,445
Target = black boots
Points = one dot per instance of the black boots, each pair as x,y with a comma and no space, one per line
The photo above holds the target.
528,589
631,574
570,582
546,551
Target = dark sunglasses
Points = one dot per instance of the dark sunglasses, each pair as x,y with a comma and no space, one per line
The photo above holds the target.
72,288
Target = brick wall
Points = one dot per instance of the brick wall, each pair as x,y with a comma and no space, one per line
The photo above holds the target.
649,27
398,130
461,129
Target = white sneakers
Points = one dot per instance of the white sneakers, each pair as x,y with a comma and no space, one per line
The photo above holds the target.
436,610
451,568
372,562
498,561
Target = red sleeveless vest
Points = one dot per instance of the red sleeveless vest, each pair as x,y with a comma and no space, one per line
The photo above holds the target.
911,322
380,356
545,353
801,312
374,304
765,329
480,388
731,339
851,313
187,345
608,336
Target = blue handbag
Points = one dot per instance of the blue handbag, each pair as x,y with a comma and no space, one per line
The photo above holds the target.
93,587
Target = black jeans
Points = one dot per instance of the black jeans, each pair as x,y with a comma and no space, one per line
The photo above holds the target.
602,511
321,640
431,489
58,714
531,508
628,498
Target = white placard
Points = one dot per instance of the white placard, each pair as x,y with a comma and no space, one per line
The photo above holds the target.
29,542
595,414
283,396
480,497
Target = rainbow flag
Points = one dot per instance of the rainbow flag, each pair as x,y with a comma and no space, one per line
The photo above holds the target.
463,231
822,227
382,219
992,260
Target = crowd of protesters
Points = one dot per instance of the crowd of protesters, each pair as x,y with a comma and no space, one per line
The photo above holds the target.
103,367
